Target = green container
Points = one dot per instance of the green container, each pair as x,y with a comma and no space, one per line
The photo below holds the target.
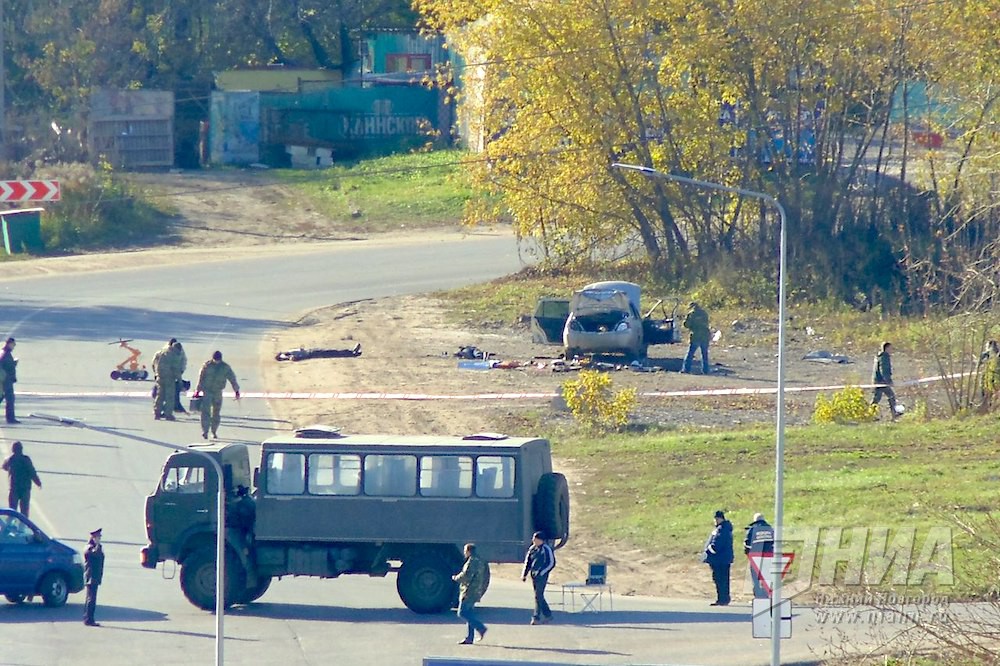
22,230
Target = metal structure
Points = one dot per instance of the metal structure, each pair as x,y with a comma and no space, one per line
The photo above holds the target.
779,453
220,540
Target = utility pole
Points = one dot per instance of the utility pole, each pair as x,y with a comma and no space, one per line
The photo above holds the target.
3,86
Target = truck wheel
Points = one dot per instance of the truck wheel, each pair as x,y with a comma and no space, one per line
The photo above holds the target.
251,594
424,583
15,598
198,578
552,507
54,590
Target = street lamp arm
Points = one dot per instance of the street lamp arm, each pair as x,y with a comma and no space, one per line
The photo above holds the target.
220,514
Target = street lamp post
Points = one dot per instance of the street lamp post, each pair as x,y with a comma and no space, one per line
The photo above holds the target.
220,515
779,452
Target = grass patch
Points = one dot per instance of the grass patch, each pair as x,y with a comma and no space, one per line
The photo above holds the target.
413,191
659,491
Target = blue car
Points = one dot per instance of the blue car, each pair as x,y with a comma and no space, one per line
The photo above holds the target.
32,563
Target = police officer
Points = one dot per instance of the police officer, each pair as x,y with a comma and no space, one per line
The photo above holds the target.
167,372
93,575
759,540
8,376
211,380
719,557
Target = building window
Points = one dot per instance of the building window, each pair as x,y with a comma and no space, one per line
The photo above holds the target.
407,62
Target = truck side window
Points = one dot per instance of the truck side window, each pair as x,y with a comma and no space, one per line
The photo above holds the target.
391,475
446,476
334,474
286,474
187,480
494,476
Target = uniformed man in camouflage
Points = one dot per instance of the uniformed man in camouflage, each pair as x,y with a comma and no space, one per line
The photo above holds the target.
882,379
472,581
166,371
211,380
696,321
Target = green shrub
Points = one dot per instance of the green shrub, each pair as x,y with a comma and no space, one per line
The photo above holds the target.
595,404
848,405
98,208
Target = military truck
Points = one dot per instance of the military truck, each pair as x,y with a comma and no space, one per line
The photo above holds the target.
326,504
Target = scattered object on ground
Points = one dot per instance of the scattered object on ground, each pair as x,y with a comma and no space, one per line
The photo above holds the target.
823,356
477,365
717,335
302,354
472,353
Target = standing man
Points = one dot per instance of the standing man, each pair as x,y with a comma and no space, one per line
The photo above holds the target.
211,380
759,540
472,581
166,371
179,384
539,562
696,321
882,378
93,575
719,556
22,474
8,372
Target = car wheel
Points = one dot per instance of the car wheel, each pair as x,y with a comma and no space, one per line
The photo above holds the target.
424,583
15,598
54,590
252,594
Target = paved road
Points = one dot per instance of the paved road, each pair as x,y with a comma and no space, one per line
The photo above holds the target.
64,325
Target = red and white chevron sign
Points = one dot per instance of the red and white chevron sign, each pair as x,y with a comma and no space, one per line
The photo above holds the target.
29,190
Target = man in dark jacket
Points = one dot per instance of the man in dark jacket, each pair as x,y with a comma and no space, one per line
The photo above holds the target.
882,378
696,321
93,575
8,373
539,562
759,540
719,556
22,474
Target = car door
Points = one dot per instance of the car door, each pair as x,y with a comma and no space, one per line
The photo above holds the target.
186,497
23,553
548,321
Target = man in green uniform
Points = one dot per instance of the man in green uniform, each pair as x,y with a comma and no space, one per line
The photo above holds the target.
167,371
93,575
696,321
22,474
472,581
211,380
882,378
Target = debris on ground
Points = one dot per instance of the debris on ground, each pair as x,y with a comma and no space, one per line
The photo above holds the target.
303,354
824,356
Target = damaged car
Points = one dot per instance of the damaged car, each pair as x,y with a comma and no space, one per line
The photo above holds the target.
602,318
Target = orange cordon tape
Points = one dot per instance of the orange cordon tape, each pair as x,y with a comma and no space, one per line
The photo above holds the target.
269,395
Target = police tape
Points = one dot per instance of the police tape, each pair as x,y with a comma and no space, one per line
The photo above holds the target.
685,393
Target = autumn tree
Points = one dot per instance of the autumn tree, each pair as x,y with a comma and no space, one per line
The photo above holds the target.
799,100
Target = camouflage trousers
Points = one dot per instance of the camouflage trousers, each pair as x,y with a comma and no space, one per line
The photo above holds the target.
211,412
163,404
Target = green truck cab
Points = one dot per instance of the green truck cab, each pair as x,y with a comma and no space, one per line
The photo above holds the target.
325,504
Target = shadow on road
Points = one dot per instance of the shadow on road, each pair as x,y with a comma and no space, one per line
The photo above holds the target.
40,321
627,619
38,612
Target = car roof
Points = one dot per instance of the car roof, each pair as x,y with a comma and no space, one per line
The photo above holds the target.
322,438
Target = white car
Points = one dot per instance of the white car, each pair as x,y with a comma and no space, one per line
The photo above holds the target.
604,318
